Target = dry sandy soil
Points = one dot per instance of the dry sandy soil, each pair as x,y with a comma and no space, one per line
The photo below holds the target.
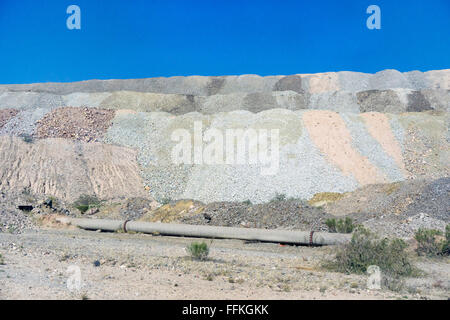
137,266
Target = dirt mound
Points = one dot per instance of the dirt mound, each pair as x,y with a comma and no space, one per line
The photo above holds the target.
403,199
84,124
434,200
130,208
378,199
173,212
13,220
6,115
284,214
394,209
66,169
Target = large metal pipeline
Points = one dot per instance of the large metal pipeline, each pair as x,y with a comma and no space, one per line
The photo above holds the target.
200,231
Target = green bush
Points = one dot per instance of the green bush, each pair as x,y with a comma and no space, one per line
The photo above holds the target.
198,251
165,201
366,249
429,244
2,261
85,202
446,245
27,138
342,225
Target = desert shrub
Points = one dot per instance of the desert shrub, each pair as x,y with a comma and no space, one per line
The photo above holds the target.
84,296
431,243
366,249
392,282
2,260
27,138
51,201
247,202
85,202
427,243
446,245
165,201
198,250
331,224
342,225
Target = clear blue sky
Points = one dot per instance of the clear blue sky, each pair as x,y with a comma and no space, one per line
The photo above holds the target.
139,39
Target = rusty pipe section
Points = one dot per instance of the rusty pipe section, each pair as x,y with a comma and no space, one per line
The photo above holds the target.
200,231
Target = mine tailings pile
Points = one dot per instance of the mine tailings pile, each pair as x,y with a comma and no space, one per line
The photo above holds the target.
114,139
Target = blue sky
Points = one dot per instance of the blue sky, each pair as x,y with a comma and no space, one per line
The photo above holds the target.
139,39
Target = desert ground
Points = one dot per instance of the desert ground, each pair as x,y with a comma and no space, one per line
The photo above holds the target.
139,266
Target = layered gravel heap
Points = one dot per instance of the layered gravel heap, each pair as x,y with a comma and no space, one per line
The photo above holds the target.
386,91
320,151
206,86
338,132
396,100
25,121
84,124
6,115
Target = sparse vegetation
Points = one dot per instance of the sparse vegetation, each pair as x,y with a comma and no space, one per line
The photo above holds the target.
51,201
2,260
285,287
27,138
84,296
209,277
366,249
341,226
86,202
11,228
446,246
64,257
198,250
432,243
247,202
166,201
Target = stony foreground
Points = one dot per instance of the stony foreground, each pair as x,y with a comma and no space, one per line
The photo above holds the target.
124,266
